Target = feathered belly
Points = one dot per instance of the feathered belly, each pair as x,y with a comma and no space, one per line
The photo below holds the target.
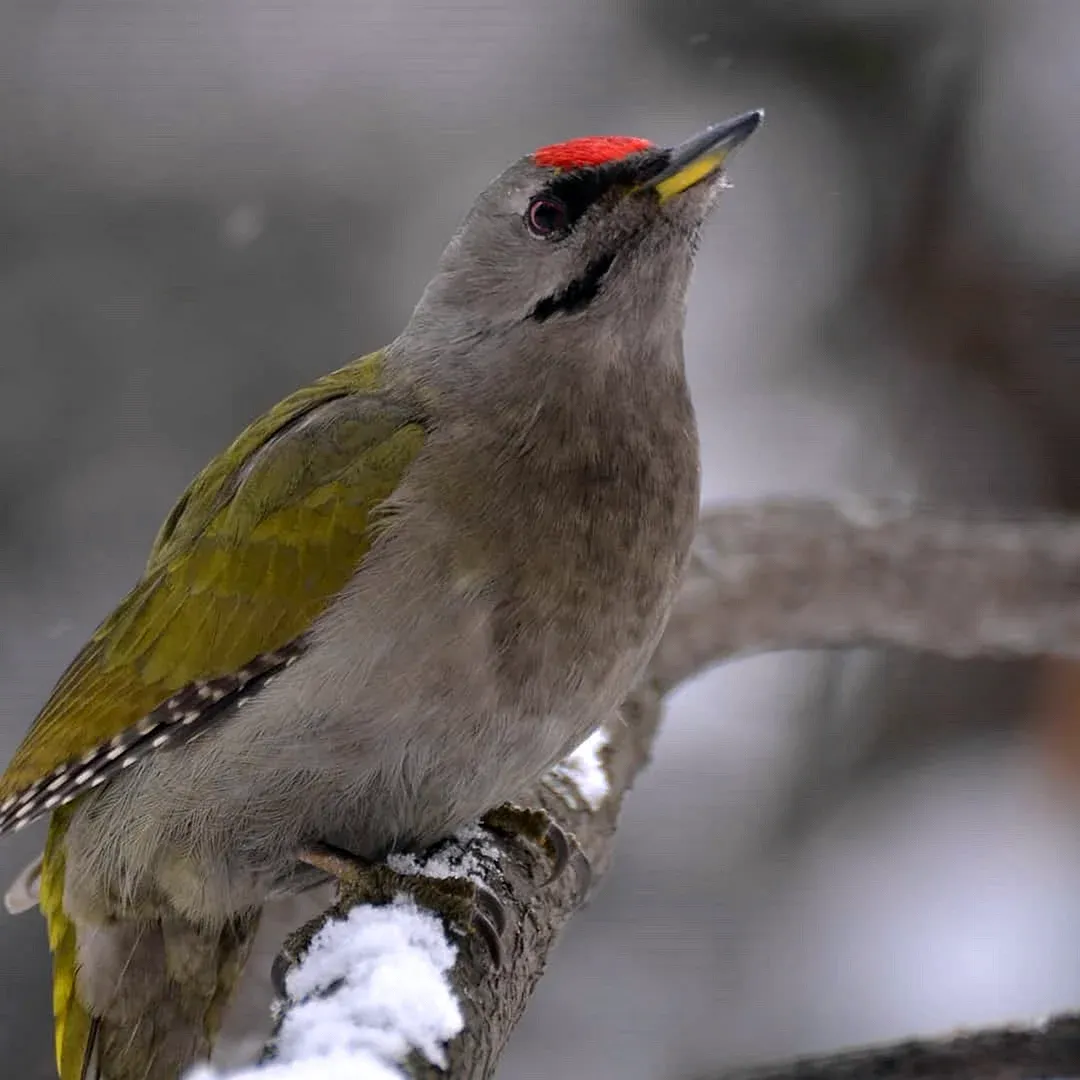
411,712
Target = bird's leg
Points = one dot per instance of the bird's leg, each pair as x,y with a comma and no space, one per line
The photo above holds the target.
461,901
539,827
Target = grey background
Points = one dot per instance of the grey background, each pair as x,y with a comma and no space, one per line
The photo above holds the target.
204,203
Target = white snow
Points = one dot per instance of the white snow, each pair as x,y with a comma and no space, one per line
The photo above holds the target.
338,1066
469,855
583,773
388,967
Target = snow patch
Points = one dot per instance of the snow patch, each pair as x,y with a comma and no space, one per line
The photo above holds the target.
388,969
470,854
581,778
338,1066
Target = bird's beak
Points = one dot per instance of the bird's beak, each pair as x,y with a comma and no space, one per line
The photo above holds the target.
703,155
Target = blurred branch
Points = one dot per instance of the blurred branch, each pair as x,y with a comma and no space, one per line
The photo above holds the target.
805,574
790,574
1047,1049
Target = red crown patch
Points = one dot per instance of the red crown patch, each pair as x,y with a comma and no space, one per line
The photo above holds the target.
590,150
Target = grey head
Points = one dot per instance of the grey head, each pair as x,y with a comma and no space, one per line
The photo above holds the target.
587,241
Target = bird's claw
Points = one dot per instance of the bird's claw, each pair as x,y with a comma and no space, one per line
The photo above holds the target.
557,845
566,854
489,923
462,902
491,908
544,831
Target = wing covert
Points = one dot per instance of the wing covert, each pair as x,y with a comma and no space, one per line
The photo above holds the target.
253,552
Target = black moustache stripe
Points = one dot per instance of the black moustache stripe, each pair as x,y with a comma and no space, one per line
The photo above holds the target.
578,294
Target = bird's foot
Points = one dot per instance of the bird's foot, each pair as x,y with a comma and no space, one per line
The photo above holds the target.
541,829
462,902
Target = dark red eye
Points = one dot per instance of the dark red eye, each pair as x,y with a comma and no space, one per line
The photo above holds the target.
546,216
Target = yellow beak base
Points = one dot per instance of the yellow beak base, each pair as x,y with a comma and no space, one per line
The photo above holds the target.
703,155
689,175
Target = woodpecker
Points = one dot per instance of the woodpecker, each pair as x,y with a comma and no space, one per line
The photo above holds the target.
395,600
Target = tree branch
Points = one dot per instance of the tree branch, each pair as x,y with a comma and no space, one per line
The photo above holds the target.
1047,1049
805,574
793,574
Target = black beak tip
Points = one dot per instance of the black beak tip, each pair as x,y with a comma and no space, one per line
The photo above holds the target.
724,137
740,128
717,142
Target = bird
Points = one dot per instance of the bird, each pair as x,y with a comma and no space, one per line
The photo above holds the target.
397,598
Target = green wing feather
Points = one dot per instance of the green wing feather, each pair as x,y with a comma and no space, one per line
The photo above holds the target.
253,551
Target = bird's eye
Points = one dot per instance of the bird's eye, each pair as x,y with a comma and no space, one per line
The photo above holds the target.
546,216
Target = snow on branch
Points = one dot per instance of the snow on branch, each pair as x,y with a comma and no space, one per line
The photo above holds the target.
787,574
385,968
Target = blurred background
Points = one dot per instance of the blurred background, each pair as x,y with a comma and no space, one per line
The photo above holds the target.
204,203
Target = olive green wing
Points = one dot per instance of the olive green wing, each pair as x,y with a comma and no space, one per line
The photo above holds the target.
253,552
